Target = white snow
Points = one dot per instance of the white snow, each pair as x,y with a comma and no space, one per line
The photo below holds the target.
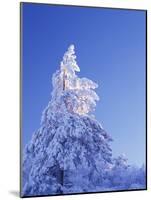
70,152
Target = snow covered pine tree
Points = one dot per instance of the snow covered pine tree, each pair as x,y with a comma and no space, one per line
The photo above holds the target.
70,152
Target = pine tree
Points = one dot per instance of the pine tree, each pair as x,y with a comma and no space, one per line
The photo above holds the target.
70,152
69,139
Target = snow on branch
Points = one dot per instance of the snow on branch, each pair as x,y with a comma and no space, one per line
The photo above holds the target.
82,98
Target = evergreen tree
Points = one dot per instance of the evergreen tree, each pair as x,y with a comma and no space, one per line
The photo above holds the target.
70,152
68,139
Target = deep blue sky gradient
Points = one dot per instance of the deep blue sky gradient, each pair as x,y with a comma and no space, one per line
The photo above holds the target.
110,49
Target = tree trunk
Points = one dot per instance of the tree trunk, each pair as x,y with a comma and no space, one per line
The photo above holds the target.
60,179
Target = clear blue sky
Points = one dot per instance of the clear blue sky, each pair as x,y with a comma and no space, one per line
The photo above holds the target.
110,49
